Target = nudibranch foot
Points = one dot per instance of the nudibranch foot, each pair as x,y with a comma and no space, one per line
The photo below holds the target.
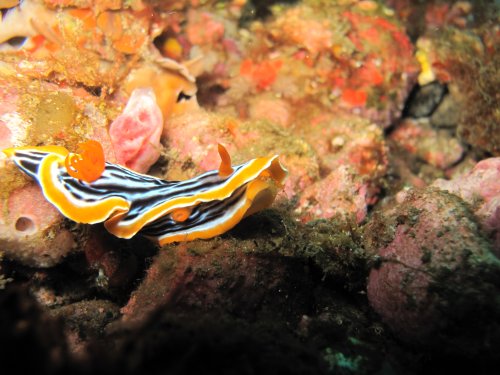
129,202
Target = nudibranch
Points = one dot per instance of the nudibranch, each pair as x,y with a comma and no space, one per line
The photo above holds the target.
168,211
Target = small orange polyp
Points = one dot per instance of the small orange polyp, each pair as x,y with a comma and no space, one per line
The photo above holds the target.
89,165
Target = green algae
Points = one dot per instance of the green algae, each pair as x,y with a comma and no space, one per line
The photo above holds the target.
333,246
340,363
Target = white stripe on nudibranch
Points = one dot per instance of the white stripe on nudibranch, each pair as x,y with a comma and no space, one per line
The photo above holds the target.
130,202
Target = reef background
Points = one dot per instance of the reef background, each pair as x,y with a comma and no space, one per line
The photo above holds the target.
380,256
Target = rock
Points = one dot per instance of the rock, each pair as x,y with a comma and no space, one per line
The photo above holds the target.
468,61
436,147
328,54
353,157
33,234
25,328
438,281
425,99
267,107
203,29
350,140
447,114
115,264
302,26
480,187
342,192
350,150
207,343
35,112
222,276
85,320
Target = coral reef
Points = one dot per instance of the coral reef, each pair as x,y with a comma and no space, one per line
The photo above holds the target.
330,59
37,112
381,251
193,139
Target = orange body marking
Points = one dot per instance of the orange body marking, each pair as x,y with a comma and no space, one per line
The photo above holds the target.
181,214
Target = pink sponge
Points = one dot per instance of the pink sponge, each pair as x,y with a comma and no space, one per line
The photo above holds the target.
135,134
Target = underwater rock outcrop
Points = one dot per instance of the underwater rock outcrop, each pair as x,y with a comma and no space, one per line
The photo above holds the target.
480,188
437,275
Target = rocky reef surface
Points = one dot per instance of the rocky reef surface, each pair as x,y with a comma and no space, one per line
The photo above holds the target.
381,251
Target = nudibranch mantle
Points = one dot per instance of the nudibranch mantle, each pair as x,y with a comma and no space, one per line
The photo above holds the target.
168,211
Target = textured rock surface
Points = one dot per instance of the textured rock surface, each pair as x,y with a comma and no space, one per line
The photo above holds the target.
437,271
480,187
342,193
218,275
436,147
326,53
193,142
425,100
447,114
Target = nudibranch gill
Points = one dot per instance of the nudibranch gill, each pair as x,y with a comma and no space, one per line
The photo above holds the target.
168,211
89,164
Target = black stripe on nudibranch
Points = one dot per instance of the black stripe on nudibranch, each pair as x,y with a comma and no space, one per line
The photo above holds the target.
29,161
202,213
143,192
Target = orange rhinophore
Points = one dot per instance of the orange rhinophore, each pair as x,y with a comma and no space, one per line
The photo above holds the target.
225,168
89,165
